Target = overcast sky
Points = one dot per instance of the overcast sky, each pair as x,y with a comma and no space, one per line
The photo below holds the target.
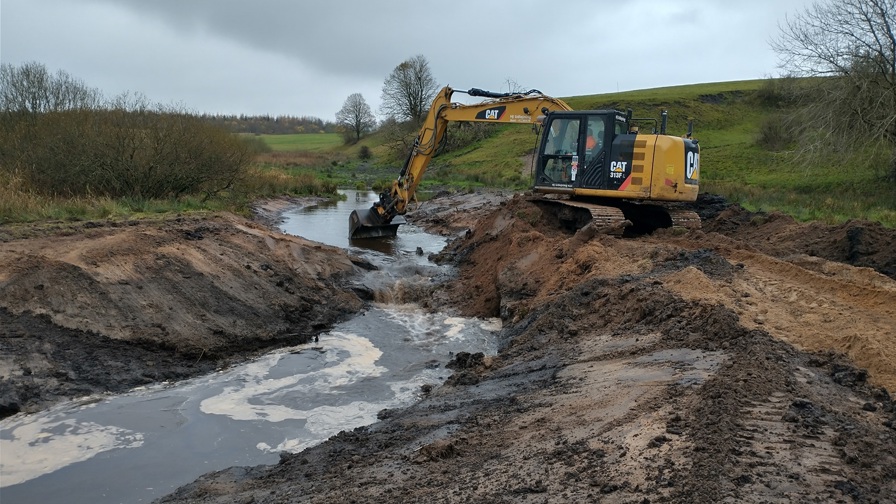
305,57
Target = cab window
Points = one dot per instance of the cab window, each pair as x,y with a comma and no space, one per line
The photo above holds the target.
562,137
621,128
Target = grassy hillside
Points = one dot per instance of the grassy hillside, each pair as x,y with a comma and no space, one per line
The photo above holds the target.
730,119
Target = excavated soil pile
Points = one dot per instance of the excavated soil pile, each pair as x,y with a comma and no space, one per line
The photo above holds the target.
745,362
105,307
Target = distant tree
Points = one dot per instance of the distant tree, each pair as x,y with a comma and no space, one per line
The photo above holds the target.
513,86
409,90
355,117
32,88
62,138
850,45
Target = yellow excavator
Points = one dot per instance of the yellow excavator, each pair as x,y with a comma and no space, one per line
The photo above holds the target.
591,166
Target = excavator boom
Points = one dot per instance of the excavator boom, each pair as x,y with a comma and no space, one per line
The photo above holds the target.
592,166
381,220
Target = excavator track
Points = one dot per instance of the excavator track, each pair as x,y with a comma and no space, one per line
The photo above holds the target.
578,214
684,218
622,218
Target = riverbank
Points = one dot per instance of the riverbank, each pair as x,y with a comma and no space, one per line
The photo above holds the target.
720,365
96,307
749,361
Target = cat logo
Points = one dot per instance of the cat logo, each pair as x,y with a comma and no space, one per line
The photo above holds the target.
692,167
618,166
491,114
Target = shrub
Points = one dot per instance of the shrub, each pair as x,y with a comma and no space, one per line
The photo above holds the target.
256,144
121,153
364,153
61,139
776,133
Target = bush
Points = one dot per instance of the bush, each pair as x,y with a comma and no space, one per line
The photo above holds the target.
778,92
364,153
463,134
776,134
121,153
256,144
60,139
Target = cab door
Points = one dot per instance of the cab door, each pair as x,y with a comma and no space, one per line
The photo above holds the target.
597,137
559,153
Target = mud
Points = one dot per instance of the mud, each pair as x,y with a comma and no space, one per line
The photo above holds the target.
749,361
103,307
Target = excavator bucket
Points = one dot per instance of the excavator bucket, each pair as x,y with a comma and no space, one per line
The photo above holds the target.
367,224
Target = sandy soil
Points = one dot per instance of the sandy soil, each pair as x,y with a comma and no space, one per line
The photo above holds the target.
745,362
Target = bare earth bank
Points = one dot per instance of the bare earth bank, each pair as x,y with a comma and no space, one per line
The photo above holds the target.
745,362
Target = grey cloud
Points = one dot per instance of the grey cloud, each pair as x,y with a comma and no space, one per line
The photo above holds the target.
305,57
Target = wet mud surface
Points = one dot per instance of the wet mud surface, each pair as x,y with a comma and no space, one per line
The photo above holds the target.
749,361
98,307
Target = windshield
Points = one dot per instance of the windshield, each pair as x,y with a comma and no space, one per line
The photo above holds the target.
562,137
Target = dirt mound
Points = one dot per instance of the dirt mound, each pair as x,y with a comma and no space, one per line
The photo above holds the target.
99,307
859,243
668,368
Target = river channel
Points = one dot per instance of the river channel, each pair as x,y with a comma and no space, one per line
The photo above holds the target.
138,446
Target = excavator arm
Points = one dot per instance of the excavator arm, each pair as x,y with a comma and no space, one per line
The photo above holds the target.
516,108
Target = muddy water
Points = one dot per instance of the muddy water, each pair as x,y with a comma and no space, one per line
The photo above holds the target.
328,223
138,446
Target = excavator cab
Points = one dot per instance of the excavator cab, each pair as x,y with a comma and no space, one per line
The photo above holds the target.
575,151
601,153
614,173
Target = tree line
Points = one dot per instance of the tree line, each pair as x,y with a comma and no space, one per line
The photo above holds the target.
60,137
271,125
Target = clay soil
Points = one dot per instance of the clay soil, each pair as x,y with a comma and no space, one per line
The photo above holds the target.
749,361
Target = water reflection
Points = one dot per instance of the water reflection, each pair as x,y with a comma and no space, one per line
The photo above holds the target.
327,222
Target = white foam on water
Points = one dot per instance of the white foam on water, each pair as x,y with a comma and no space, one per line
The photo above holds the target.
33,445
241,402
436,328
492,325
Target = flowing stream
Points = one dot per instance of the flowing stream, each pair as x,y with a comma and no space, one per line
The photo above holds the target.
138,446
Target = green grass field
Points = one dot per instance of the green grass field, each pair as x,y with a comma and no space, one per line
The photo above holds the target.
314,142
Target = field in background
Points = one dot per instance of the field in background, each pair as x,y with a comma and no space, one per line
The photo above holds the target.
731,121
728,118
314,142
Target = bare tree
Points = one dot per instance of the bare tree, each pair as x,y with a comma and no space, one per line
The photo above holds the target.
355,117
31,88
850,46
409,90
513,86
